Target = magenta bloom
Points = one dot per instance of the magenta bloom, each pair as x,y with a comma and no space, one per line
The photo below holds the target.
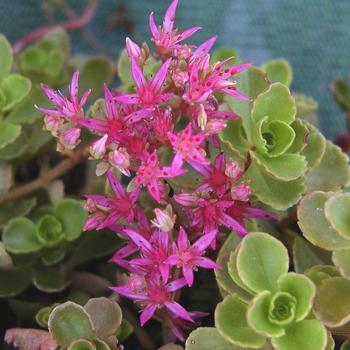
157,295
187,147
114,123
70,108
148,94
153,252
189,257
209,214
121,206
150,174
166,38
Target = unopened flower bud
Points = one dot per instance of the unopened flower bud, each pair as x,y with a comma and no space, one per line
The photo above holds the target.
241,192
233,171
165,219
132,49
120,159
202,117
98,149
70,138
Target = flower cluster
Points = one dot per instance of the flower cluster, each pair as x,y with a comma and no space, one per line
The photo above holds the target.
167,128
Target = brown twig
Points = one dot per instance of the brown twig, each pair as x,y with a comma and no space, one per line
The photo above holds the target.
45,179
73,24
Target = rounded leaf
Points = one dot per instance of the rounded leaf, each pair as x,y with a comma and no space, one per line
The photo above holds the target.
272,191
72,216
223,276
341,259
6,57
81,344
332,303
50,231
345,345
332,173
69,322
276,102
8,133
20,236
305,335
302,289
315,226
14,88
106,316
278,71
337,212
17,279
231,322
208,338
257,316
49,279
286,167
261,260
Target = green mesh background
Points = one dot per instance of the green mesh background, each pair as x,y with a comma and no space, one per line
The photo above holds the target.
314,35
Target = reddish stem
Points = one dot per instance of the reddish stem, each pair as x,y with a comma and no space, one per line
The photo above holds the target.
73,24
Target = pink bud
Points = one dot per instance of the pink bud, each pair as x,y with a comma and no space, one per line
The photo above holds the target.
165,219
71,137
132,49
241,192
233,171
120,159
98,149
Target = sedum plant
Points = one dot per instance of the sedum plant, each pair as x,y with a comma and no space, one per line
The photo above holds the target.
196,165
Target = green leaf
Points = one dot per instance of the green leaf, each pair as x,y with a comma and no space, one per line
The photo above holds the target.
20,236
332,303
315,147
124,68
258,316
251,83
341,259
231,322
69,322
82,344
17,280
222,275
234,134
278,71
337,210
277,103
124,331
301,133
302,289
8,133
5,258
6,57
72,216
272,191
208,338
16,148
261,260
332,173
106,316
286,167
306,335
233,272
305,105
25,112
14,88
50,231
224,53
341,93
345,345
93,245
314,225
6,180
306,255
60,39
42,316
49,279
95,72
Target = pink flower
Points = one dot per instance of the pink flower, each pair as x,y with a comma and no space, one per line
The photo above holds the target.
69,108
187,147
120,159
209,214
166,38
162,124
121,206
148,94
156,296
150,174
153,252
114,123
189,257
215,179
